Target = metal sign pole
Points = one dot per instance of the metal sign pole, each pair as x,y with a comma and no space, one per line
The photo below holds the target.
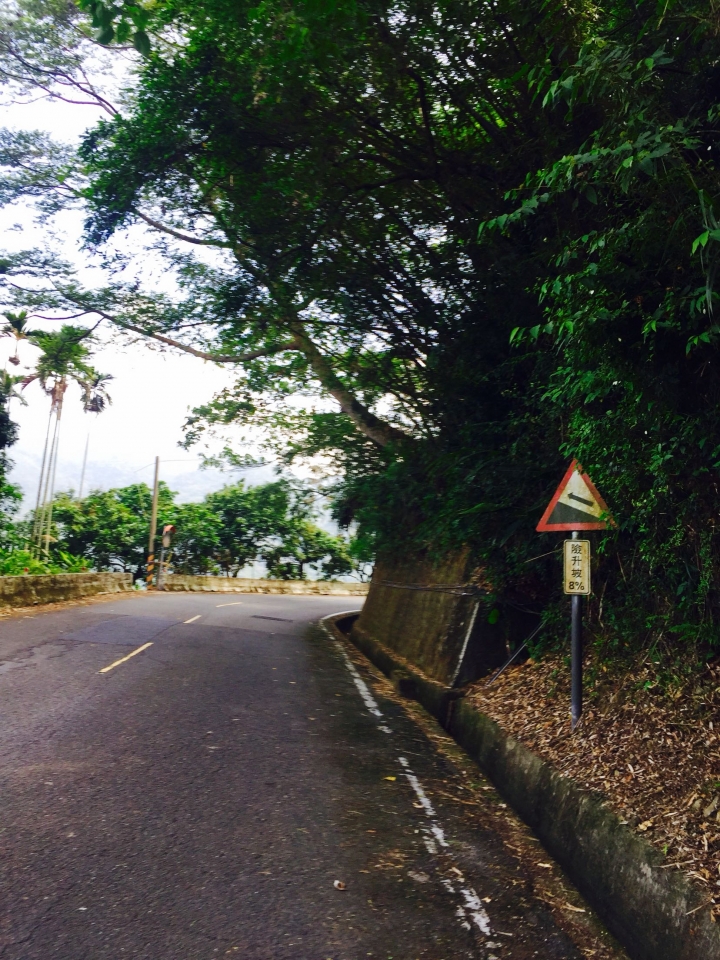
576,505
576,648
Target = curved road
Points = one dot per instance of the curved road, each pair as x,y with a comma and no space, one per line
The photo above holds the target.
243,786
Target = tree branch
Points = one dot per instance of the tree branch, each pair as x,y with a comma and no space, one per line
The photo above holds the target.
373,427
177,233
201,354
377,430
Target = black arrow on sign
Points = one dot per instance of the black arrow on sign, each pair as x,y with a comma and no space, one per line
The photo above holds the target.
588,503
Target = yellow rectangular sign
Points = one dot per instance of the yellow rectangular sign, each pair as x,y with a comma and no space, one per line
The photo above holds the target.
577,567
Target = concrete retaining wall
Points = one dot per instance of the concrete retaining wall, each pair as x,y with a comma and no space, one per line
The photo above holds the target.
433,615
27,591
335,588
422,611
652,911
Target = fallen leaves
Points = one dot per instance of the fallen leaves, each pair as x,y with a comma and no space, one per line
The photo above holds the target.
655,758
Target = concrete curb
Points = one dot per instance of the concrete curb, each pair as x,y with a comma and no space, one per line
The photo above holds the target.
653,912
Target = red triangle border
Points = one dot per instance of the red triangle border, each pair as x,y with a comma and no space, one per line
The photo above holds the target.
545,527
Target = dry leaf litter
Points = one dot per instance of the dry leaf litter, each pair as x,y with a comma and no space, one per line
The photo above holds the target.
654,755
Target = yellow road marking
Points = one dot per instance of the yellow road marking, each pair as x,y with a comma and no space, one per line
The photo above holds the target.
193,619
237,603
123,659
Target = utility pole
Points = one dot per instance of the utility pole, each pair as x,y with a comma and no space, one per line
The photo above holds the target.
153,526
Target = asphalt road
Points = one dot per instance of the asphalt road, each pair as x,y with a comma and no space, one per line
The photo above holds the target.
241,787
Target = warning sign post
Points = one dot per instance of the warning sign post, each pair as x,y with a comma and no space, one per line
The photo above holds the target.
575,506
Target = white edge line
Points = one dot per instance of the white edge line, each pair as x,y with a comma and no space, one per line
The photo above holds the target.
362,687
473,904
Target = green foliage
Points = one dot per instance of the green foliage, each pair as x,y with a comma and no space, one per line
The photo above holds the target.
229,529
306,547
18,563
250,518
272,523
65,353
10,498
197,539
10,495
488,234
110,529
120,23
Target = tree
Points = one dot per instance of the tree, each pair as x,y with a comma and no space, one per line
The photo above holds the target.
110,529
228,530
196,541
64,358
16,327
254,520
488,233
306,547
10,494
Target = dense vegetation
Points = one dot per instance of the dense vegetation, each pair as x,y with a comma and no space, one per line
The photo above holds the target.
272,524
487,232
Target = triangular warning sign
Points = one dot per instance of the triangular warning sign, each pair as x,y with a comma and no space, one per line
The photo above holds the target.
576,505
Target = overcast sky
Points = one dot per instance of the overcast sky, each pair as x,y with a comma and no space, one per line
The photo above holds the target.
151,392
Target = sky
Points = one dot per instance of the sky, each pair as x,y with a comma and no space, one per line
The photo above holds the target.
151,392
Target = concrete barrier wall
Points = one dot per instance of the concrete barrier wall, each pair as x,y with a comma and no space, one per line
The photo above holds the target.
335,588
27,591
436,616
431,614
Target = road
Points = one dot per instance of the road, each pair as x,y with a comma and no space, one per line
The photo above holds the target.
243,786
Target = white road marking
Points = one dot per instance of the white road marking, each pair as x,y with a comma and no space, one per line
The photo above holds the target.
433,834
472,904
193,619
362,687
236,603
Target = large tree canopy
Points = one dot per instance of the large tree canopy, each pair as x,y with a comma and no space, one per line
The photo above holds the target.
485,231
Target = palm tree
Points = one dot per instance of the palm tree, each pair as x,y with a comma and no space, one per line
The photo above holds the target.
95,395
64,358
7,388
95,399
16,327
